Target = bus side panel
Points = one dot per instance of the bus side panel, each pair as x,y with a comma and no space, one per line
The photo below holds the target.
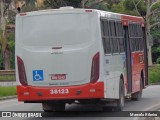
110,76
114,67
120,71
137,67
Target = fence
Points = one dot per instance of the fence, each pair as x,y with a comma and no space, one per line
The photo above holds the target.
7,75
7,78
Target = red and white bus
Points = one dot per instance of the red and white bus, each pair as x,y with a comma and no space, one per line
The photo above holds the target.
66,55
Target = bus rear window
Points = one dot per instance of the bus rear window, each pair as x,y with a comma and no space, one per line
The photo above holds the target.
56,29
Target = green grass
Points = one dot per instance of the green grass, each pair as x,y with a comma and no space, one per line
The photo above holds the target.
154,74
7,77
7,91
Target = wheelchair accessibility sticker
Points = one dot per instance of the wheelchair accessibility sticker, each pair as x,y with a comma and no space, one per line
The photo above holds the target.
37,75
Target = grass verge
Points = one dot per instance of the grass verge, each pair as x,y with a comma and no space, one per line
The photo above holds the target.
154,74
7,91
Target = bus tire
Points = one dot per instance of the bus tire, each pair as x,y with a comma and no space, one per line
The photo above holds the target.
121,101
138,95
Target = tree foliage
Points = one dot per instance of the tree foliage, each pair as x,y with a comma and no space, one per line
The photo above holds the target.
11,42
4,44
61,3
140,4
117,7
94,4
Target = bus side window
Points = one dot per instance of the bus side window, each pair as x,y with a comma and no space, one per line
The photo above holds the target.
132,34
141,39
103,34
120,36
105,37
113,36
136,36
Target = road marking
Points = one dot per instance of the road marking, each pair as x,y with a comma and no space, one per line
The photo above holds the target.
153,107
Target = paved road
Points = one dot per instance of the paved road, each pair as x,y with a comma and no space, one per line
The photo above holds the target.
151,97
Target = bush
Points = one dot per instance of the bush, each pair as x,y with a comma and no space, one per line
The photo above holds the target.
158,60
154,74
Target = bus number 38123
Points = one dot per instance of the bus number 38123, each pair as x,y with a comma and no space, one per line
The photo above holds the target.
59,91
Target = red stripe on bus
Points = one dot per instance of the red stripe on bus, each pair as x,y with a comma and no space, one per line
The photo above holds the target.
132,18
87,91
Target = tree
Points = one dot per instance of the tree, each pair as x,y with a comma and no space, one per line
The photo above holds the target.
61,3
97,4
148,12
30,5
117,7
5,49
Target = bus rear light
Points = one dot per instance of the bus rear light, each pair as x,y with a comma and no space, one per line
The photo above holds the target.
22,72
88,10
23,14
95,68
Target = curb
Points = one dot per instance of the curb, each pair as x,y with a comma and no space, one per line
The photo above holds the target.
153,108
8,97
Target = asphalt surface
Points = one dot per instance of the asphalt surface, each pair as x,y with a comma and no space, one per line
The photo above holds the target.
150,99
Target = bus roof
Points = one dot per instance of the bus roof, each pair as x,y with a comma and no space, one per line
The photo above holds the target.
104,14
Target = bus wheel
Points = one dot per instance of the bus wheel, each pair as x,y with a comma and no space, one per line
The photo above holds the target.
121,100
47,107
138,95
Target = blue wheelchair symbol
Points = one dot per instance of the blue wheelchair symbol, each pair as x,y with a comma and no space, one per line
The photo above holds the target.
37,75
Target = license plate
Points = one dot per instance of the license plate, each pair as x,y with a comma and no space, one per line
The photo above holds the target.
58,77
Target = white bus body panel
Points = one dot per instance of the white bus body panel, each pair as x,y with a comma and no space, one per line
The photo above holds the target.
76,33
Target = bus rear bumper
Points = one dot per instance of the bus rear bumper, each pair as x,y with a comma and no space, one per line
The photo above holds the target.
86,91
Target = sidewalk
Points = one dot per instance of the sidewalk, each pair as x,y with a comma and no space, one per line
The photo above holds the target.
8,97
10,83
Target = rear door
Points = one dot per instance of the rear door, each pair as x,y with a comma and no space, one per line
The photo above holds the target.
128,59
